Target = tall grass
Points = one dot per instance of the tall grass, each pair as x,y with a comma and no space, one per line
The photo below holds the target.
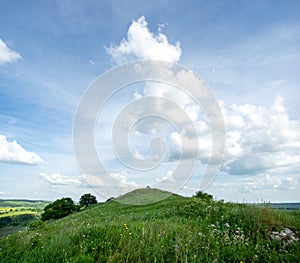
177,229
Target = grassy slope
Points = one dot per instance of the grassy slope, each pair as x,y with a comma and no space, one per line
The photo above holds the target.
177,229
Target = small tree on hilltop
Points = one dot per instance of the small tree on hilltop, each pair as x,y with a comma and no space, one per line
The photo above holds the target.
58,209
87,200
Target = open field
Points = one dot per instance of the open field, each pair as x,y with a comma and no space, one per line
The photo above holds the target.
177,229
17,213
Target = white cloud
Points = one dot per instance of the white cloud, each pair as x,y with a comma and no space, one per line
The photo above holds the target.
122,177
143,44
139,156
271,183
261,139
90,181
168,178
58,179
6,54
12,152
3,193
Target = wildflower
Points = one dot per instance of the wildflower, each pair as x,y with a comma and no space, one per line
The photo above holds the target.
227,225
129,233
158,234
125,226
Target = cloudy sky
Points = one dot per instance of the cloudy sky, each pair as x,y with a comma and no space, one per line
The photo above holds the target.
247,53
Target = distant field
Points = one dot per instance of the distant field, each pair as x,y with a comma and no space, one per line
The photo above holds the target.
15,203
285,206
17,214
6,209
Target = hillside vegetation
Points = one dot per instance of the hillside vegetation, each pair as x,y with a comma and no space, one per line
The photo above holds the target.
177,229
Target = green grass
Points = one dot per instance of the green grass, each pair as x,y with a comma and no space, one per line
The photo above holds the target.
177,229
5,231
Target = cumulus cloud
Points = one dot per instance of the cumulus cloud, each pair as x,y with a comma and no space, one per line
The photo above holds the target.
90,181
261,139
12,152
143,44
167,178
58,179
271,183
6,54
122,177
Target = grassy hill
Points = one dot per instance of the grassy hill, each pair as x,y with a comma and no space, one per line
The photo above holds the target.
177,229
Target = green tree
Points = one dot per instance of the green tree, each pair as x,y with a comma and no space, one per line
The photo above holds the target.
58,209
87,200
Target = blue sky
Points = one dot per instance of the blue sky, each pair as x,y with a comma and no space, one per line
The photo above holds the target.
246,51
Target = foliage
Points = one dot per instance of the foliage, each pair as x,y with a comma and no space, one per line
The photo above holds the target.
58,209
87,200
177,229
203,196
36,224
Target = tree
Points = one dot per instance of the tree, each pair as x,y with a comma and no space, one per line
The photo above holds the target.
87,200
58,209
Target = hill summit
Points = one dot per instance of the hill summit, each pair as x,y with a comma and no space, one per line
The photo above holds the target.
144,196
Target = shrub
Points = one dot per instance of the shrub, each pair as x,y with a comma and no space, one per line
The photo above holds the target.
203,196
36,224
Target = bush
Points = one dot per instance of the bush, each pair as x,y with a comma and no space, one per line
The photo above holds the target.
58,209
203,196
36,224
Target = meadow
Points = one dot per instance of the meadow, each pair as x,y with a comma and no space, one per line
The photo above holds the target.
177,229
